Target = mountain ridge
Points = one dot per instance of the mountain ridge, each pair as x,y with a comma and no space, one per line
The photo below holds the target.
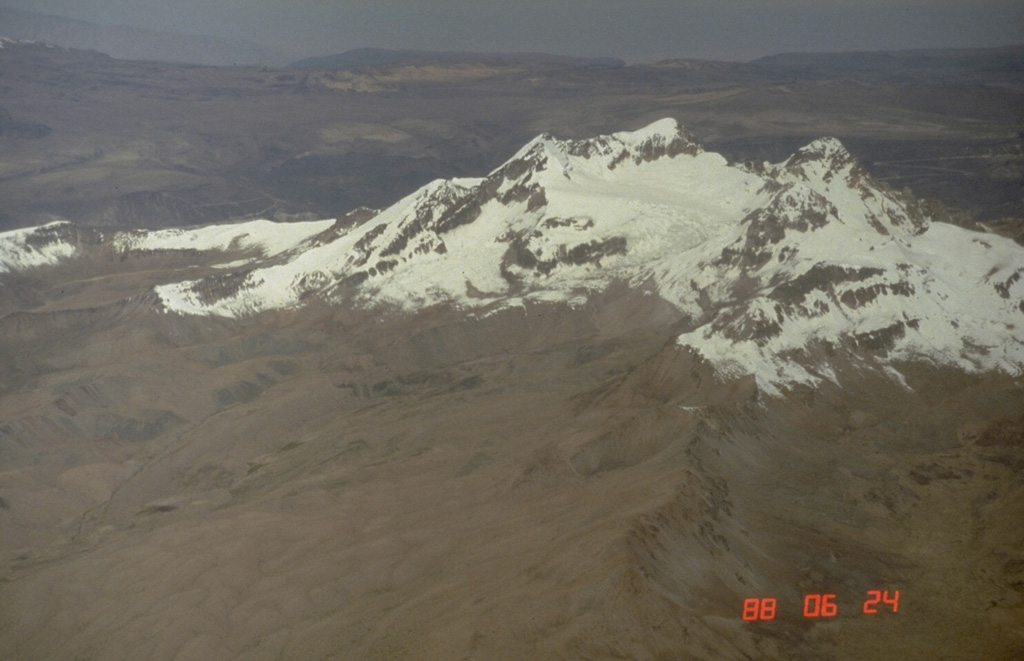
129,43
522,445
375,57
777,266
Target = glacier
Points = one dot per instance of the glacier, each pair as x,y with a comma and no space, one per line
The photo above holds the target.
776,267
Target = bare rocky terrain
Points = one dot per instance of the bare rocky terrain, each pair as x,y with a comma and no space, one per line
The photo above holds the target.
545,482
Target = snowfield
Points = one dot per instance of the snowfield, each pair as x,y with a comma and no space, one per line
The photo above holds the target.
775,264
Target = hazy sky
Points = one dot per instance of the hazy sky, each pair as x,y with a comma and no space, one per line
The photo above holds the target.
632,29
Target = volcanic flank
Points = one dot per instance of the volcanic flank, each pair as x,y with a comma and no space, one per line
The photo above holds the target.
773,266
587,406
789,260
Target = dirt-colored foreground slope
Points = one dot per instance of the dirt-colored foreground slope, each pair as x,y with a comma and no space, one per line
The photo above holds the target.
539,483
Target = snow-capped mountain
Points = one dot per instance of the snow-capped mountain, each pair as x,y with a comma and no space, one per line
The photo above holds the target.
776,267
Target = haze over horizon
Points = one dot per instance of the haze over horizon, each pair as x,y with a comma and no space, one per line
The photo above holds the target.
644,30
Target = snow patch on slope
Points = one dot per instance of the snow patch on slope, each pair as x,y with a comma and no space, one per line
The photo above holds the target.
267,237
938,296
33,247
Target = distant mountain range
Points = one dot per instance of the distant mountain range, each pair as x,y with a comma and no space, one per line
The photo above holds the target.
952,64
122,143
371,57
128,43
989,65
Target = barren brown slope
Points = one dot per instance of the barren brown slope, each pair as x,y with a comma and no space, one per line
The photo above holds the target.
544,482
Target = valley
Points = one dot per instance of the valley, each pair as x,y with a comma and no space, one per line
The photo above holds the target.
119,143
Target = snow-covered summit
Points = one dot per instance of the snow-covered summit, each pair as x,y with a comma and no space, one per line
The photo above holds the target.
663,138
775,267
558,216
827,155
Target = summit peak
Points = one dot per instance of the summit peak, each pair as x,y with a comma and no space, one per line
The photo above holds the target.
827,154
663,130
665,138
772,267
